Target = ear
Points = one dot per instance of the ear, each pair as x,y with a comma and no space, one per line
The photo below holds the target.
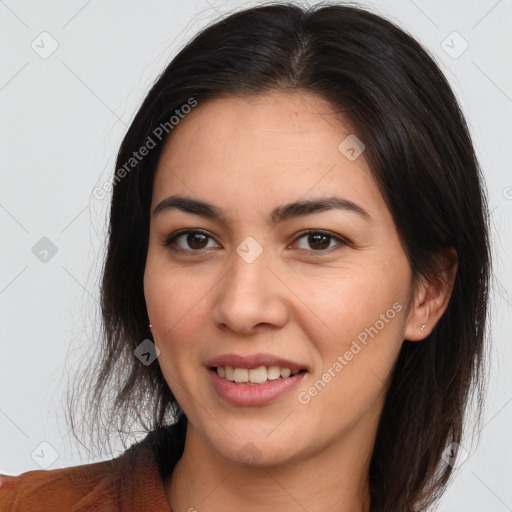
431,297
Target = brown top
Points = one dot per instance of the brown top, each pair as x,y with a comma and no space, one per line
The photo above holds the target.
132,482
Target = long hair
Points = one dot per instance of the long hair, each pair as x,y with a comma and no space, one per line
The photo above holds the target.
420,153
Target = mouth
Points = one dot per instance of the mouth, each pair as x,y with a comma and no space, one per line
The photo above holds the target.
249,383
253,379
255,376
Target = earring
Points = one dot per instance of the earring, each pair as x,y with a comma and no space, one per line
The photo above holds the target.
150,326
423,327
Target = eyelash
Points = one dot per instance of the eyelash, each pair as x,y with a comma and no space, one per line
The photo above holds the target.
169,242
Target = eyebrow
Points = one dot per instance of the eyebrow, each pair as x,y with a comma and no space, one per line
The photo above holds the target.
280,214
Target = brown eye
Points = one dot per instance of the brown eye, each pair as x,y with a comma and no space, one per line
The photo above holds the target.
319,241
193,241
196,240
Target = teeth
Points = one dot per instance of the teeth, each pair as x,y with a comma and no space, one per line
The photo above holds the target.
258,375
241,375
273,373
254,375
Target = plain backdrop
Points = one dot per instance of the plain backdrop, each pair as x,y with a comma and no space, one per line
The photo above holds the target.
72,76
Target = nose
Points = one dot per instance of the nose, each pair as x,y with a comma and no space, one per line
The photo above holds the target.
250,295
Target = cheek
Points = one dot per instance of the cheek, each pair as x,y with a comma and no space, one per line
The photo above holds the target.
363,315
175,305
177,317
348,304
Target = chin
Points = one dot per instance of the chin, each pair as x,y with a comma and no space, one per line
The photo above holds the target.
252,447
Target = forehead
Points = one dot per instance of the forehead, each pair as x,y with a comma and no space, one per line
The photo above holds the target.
256,148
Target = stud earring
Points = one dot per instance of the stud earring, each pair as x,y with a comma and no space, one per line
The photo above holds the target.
150,326
423,327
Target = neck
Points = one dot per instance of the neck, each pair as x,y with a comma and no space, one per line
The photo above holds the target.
331,480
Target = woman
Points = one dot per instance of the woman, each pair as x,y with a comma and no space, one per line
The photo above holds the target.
295,291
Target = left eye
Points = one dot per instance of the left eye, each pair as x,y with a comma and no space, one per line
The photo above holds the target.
319,240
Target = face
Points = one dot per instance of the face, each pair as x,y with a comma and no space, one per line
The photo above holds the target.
249,284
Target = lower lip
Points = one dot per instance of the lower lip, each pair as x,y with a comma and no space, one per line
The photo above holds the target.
256,394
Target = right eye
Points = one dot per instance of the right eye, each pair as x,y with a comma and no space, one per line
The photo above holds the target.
188,240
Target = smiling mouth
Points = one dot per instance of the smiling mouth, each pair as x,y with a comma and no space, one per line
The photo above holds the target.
254,376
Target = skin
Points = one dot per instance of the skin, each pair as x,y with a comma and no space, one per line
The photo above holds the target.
247,156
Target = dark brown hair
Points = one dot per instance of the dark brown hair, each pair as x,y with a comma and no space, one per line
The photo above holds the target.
420,154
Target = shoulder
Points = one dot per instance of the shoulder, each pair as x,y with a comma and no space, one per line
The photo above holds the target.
59,489
100,487
131,482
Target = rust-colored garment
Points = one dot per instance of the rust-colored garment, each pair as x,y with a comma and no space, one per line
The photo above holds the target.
133,482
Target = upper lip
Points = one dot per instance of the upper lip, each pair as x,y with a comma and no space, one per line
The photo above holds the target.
253,361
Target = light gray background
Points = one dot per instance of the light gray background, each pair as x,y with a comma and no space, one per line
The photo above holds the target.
62,120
